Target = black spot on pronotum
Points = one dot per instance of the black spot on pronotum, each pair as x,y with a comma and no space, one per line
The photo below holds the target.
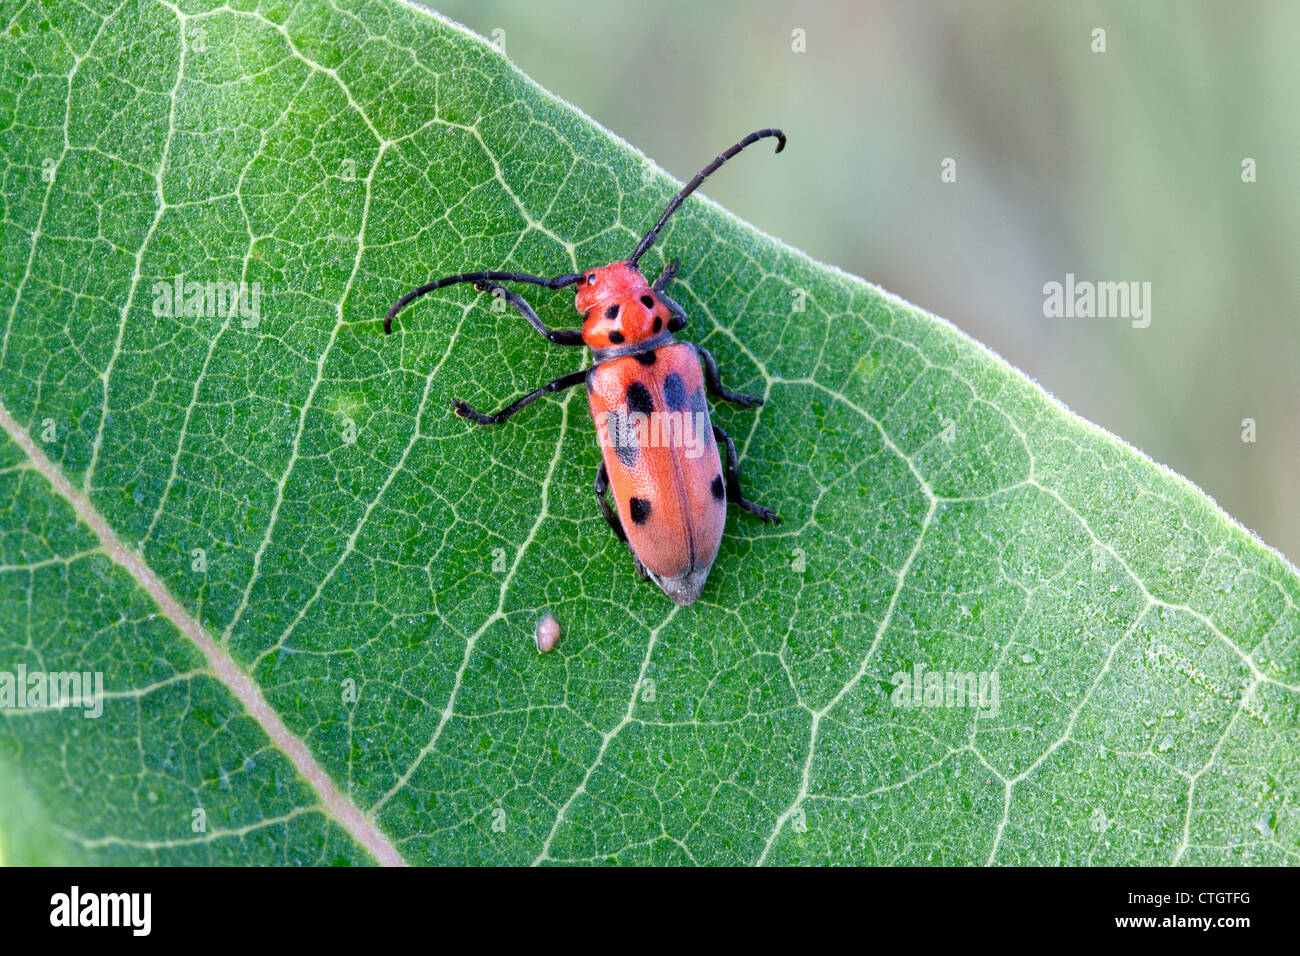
640,509
659,323
645,358
616,337
675,392
612,312
717,489
638,399
648,301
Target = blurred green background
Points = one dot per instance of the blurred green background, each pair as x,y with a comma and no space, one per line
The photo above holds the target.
1117,166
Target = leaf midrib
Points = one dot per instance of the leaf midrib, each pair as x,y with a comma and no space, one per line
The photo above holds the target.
333,802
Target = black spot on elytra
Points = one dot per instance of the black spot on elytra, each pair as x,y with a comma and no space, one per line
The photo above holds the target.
675,392
640,509
648,301
622,435
659,323
645,358
616,337
717,489
612,312
638,399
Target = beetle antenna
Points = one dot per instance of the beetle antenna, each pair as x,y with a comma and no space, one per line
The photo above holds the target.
559,282
649,238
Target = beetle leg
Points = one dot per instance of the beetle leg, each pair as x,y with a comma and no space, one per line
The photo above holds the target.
677,322
602,485
713,379
520,304
669,273
564,381
733,480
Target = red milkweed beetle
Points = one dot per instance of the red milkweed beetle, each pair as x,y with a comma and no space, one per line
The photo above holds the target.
642,388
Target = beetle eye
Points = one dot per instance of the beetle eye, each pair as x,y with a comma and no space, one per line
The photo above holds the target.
591,279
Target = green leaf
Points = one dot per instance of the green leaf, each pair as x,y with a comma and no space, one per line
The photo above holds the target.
188,499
